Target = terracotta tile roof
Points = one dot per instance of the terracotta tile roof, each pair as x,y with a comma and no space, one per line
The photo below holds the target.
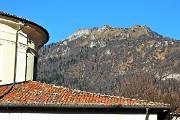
36,93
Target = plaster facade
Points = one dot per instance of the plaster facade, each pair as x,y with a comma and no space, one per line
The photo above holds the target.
19,43
46,116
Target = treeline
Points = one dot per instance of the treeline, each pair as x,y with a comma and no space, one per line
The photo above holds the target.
145,86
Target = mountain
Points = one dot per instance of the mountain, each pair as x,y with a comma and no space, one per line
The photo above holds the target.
101,59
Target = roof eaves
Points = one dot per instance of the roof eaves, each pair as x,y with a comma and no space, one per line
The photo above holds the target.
27,21
84,106
81,109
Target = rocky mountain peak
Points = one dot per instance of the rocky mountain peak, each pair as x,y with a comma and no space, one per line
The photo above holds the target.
109,32
79,33
104,27
143,29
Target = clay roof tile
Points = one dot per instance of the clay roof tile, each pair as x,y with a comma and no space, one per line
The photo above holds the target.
32,92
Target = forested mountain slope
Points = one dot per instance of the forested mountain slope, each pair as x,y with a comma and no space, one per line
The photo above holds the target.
116,61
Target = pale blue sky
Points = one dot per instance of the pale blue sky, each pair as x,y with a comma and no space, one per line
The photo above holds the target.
63,17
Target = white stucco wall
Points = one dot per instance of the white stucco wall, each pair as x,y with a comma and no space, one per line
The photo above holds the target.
7,33
21,65
7,56
21,58
37,116
7,38
7,61
1,54
30,61
29,36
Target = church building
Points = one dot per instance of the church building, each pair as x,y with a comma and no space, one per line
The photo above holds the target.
19,42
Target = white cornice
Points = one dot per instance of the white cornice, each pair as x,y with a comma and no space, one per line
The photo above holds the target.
20,45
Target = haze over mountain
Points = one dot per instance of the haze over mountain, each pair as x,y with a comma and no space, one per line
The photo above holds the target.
97,59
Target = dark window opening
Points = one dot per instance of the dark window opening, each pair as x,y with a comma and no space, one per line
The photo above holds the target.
35,68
